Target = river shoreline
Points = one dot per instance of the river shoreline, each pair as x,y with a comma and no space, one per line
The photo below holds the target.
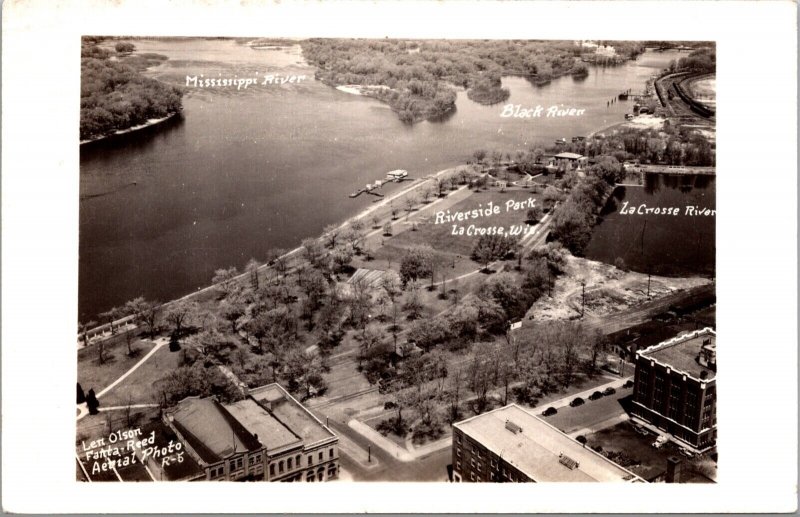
168,147
361,215
150,123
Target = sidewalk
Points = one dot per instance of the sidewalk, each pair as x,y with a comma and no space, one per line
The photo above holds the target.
356,453
381,441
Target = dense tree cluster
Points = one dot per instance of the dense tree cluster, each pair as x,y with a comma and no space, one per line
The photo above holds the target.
418,73
115,96
702,60
552,355
197,380
574,219
488,90
489,248
670,145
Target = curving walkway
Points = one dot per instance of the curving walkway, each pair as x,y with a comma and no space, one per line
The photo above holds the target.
159,343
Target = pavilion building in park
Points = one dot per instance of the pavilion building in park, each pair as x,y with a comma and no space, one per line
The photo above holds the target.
267,436
675,388
510,444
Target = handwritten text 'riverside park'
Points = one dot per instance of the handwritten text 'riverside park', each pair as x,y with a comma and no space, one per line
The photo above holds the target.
491,209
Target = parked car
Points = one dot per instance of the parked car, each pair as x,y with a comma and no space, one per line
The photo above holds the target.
577,401
628,384
596,395
661,440
687,453
549,411
641,430
609,391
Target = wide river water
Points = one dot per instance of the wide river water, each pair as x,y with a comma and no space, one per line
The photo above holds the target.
264,167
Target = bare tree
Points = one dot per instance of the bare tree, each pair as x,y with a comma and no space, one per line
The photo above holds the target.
252,268
179,315
453,396
145,313
411,201
108,317
225,280
331,234
480,379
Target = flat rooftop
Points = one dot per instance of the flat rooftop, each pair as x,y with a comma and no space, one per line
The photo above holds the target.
174,470
681,352
269,430
538,449
211,430
569,156
291,413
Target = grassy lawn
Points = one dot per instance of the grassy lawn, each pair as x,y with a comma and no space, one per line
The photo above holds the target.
593,412
374,421
141,386
92,427
440,237
93,375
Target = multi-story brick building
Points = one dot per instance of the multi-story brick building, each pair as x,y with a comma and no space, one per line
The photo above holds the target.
267,436
510,444
675,388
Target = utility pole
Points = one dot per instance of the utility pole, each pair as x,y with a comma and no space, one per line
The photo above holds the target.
648,284
583,297
369,453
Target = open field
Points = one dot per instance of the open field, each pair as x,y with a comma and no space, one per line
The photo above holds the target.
608,290
440,236
93,375
141,386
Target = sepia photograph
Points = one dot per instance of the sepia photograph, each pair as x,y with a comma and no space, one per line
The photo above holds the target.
436,260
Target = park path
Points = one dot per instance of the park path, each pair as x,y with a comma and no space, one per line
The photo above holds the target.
83,410
158,344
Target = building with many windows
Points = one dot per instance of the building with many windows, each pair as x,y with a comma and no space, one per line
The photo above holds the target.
510,444
266,436
675,388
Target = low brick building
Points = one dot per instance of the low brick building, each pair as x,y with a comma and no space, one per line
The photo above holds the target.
266,436
675,388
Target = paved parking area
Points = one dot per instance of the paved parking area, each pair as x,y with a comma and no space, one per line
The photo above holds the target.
591,413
